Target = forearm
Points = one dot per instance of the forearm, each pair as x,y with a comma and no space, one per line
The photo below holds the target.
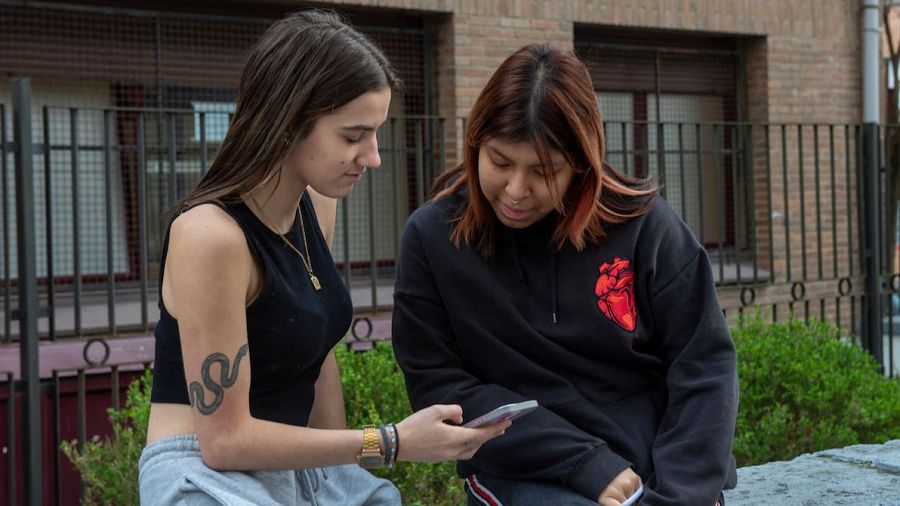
328,410
540,446
692,448
258,444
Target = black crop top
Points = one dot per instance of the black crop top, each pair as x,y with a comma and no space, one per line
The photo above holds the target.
290,326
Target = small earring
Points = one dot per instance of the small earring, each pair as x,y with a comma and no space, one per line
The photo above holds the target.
515,201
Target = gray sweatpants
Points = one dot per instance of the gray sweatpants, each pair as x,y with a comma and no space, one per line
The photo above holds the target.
172,472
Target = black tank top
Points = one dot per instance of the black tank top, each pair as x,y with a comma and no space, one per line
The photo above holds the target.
290,326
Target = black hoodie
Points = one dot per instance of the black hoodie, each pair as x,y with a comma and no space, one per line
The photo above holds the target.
623,345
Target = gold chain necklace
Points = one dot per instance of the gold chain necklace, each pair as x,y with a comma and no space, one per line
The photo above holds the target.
307,259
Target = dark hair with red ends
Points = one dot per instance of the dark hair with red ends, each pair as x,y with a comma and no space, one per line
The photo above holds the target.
544,96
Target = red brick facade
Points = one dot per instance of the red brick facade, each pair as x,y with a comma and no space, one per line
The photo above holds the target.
803,57
799,63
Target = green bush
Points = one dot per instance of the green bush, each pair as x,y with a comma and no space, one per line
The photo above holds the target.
108,467
804,390
374,392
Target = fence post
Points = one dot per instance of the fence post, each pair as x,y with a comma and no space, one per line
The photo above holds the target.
27,314
871,217
872,248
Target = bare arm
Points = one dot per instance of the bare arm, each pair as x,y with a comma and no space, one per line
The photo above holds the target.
328,408
328,411
211,271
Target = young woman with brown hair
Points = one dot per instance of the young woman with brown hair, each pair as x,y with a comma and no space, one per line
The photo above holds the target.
537,271
246,401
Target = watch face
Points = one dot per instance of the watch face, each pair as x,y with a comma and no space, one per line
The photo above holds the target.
371,461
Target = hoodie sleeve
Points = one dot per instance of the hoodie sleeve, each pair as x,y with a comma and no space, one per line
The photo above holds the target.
540,446
692,451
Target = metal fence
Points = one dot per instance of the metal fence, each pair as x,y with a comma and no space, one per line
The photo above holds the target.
8,463
106,178
80,399
76,402
777,206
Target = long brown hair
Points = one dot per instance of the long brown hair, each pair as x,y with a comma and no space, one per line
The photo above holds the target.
543,96
303,67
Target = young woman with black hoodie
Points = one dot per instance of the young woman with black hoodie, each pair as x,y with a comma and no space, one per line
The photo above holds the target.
537,271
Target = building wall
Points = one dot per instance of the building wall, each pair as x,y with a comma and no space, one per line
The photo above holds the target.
803,66
801,63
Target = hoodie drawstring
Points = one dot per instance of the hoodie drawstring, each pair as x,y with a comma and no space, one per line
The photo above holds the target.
554,310
553,281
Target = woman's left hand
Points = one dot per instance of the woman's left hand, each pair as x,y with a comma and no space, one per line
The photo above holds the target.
620,489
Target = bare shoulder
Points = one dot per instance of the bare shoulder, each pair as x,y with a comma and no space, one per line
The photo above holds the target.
207,229
206,242
208,263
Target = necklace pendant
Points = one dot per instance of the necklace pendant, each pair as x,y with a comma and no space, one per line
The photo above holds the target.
315,282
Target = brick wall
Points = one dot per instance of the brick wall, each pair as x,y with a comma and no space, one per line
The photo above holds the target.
801,64
806,54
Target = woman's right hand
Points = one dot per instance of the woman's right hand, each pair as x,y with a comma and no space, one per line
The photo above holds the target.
425,437
621,488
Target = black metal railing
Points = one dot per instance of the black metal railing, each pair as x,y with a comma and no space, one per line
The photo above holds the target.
6,214
774,205
108,177
88,388
777,206
8,463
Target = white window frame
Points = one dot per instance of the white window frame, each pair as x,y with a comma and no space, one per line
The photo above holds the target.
216,119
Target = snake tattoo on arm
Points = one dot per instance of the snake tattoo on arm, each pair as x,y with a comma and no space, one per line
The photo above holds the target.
226,379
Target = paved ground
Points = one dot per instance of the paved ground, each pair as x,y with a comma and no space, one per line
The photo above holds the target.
856,475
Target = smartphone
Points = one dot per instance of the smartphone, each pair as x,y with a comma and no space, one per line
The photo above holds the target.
507,412
634,497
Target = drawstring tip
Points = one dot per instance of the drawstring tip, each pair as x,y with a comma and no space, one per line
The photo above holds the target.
554,318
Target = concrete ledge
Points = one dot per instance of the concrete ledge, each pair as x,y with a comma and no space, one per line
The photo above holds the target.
855,475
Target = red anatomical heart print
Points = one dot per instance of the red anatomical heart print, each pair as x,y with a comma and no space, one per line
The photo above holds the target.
615,293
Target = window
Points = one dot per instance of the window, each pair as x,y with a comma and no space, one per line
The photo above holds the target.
215,116
669,102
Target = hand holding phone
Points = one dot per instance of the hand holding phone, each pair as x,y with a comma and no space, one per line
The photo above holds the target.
506,412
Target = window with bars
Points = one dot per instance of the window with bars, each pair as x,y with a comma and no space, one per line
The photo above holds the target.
670,103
